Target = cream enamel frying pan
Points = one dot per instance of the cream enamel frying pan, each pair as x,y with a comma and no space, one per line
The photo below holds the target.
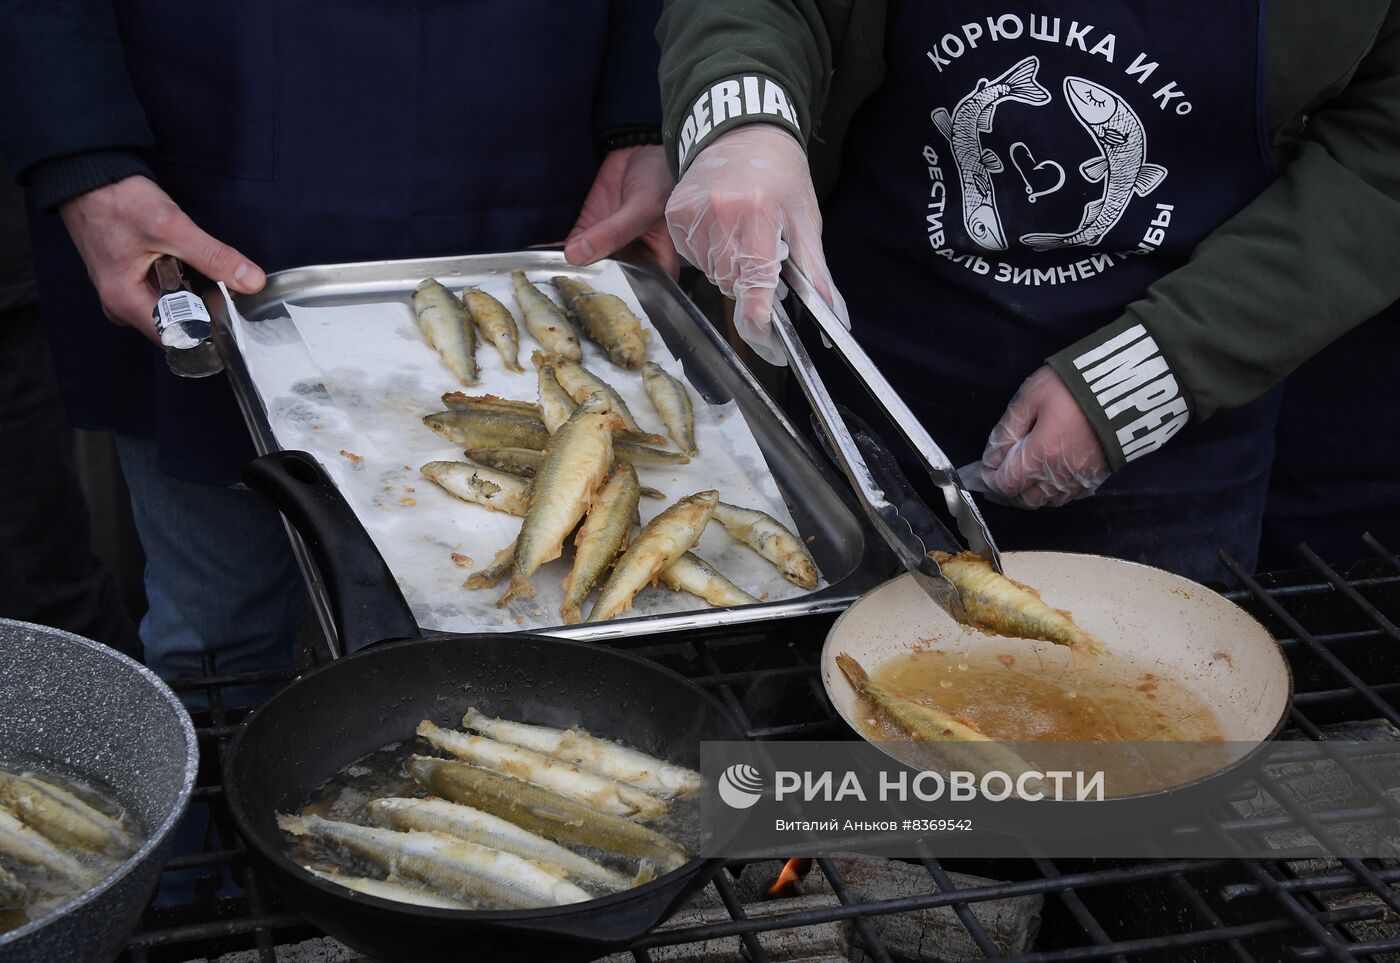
1152,620
1158,621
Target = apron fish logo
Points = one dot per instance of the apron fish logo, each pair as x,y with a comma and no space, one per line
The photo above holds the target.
971,118
1121,164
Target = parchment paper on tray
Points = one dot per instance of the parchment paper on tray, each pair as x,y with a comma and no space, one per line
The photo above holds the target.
351,383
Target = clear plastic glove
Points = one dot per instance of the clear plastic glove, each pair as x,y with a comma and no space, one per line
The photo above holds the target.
744,206
120,230
626,203
1043,451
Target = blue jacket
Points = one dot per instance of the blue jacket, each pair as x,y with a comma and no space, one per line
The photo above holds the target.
303,131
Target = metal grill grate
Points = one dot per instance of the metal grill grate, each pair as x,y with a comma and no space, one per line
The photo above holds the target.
1341,639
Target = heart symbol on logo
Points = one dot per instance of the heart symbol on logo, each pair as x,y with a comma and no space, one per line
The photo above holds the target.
1024,162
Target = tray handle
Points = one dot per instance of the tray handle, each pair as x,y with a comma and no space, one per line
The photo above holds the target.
365,600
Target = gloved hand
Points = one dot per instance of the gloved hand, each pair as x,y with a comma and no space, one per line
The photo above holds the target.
745,205
120,230
1043,451
625,203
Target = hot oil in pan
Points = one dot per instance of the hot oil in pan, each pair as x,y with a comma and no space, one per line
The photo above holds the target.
1008,698
347,794
43,890
1016,698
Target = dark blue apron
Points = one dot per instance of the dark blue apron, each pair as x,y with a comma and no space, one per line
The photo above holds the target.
1336,472
309,131
1026,171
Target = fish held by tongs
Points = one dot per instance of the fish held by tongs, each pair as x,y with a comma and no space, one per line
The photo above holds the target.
1003,606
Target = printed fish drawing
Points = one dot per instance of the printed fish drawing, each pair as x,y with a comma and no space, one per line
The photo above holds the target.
971,118
1121,164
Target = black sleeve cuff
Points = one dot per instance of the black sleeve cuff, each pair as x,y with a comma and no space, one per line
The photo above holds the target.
621,137
59,180
1126,388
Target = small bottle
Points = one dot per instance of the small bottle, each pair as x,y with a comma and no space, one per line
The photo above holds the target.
182,323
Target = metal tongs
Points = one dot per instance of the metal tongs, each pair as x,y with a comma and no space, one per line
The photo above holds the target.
854,457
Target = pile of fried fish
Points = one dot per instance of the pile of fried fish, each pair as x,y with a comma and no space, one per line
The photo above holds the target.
572,456
506,808
54,846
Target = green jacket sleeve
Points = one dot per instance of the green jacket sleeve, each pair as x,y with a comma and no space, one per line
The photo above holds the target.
1314,255
728,62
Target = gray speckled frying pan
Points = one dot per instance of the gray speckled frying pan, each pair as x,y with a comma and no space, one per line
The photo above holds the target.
72,707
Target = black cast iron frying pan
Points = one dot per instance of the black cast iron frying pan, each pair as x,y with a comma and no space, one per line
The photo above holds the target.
353,706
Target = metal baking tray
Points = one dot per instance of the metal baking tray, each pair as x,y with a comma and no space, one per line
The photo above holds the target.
852,560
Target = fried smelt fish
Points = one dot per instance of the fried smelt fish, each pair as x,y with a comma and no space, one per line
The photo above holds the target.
575,463
766,535
644,456
555,403
494,321
547,772
489,429
13,893
461,869
496,490
671,399
1003,606
610,322
394,889
632,766
484,829
526,462
691,573
549,814
607,320
461,401
923,723
448,328
916,720
570,288
25,845
499,568
514,461
582,384
662,540
62,817
601,537
544,320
